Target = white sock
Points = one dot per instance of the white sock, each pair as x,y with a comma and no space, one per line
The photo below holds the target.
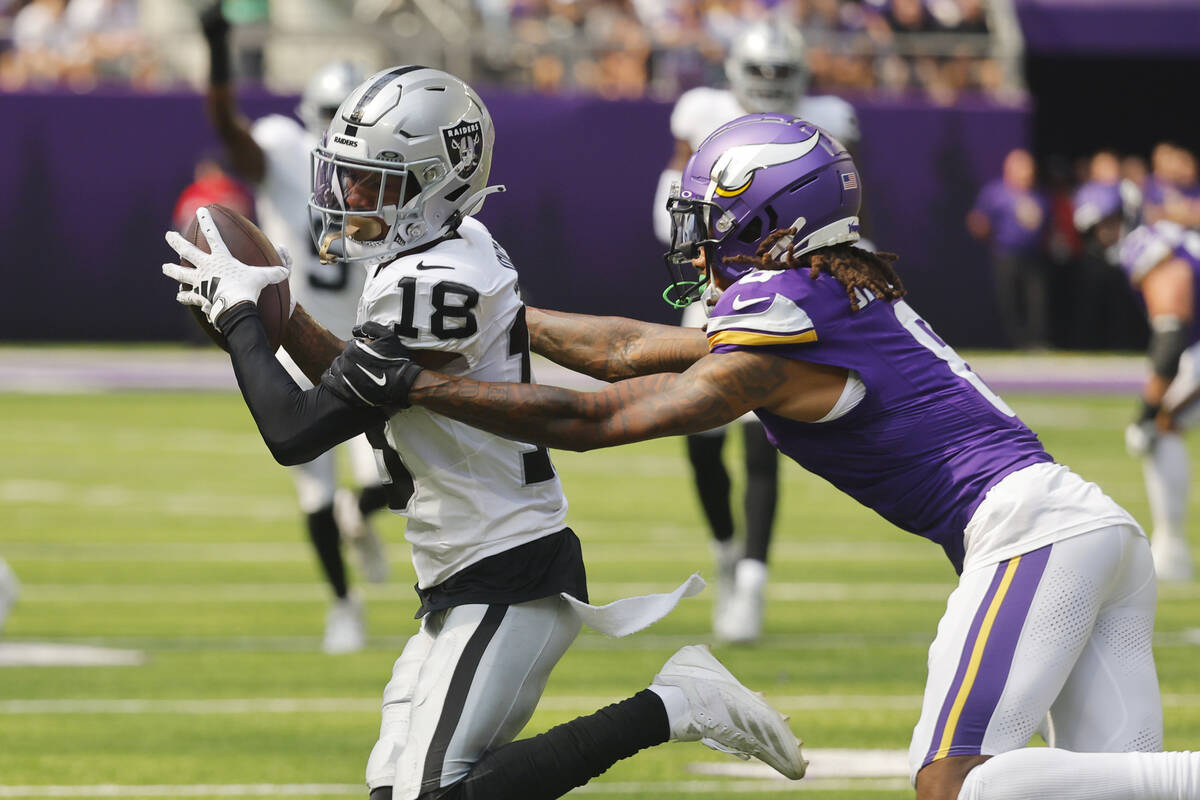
1040,773
1168,473
675,701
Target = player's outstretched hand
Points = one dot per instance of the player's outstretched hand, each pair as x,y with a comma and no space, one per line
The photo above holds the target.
375,370
217,281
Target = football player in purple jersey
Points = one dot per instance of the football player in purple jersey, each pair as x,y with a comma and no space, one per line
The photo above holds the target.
1162,261
1053,615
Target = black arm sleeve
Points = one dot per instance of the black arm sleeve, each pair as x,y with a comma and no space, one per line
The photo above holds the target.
297,425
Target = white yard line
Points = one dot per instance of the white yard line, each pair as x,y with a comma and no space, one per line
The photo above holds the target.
600,788
347,705
311,592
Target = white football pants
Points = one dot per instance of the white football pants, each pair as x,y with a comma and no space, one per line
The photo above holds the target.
1057,640
466,683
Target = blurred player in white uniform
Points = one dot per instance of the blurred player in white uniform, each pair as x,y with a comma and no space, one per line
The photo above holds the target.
1162,262
272,153
767,72
500,576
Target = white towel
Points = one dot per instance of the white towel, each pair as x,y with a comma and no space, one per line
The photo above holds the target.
631,614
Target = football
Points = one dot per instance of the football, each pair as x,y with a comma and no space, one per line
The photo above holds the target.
250,246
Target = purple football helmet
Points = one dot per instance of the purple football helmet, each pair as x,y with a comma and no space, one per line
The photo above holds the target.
750,177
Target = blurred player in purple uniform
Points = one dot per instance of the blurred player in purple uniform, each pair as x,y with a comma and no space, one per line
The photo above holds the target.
1162,261
1050,626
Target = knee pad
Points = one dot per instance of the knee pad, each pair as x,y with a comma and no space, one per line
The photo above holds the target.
1168,340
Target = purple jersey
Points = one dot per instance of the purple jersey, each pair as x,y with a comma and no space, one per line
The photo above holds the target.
1149,245
1018,218
929,438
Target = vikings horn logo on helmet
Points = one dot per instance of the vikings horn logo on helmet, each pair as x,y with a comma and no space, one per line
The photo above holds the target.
734,171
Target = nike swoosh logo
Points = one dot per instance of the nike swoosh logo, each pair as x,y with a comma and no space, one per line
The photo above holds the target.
379,380
738,303
423,265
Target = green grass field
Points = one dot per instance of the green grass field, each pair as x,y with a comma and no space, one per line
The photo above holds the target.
158,523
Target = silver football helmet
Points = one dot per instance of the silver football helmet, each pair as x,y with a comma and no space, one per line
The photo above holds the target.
325,91
766,68
406,157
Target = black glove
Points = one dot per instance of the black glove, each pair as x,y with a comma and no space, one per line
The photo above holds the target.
216,33
213,23
374,370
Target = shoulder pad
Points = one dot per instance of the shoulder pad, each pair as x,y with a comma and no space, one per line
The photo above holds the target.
750,316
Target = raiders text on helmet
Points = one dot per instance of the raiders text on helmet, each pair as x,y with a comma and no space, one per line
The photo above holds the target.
406,157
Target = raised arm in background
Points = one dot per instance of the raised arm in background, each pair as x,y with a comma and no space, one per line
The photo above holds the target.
232,128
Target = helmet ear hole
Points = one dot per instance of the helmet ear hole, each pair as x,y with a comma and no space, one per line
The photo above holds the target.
751,232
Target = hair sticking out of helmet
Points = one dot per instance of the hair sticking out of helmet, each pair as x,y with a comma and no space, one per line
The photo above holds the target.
766,68
324,92
406,157
751,178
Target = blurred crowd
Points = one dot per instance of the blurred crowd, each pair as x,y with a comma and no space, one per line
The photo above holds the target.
632,48
76,43
612,48
1055,238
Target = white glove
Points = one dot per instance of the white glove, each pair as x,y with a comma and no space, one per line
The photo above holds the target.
219,281
1140,438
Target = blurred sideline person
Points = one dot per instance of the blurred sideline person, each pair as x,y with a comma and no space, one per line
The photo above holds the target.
500,575
1106,310
10,590
1162,261
767,71
1050,626
272,154
210,184
1012,217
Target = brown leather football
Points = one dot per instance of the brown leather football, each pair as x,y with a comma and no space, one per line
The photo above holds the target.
250,246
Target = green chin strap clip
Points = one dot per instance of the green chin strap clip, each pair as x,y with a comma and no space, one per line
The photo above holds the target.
679,294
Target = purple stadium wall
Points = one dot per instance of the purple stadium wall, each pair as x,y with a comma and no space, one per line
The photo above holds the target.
88,182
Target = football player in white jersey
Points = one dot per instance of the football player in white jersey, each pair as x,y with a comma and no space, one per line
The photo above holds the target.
272,153
767,72
500,576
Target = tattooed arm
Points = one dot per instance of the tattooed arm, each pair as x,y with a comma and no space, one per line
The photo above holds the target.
314,348
613,348
717,389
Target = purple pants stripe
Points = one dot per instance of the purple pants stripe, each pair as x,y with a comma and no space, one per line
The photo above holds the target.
986,657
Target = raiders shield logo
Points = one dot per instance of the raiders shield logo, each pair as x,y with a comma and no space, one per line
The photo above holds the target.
463,144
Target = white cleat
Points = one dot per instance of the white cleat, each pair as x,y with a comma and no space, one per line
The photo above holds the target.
10,590
1172,558
726,716
345,626
357,529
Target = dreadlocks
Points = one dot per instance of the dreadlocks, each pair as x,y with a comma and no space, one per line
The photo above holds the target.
853,267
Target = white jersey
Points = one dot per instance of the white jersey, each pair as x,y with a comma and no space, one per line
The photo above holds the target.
475,494
329,292
700,111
